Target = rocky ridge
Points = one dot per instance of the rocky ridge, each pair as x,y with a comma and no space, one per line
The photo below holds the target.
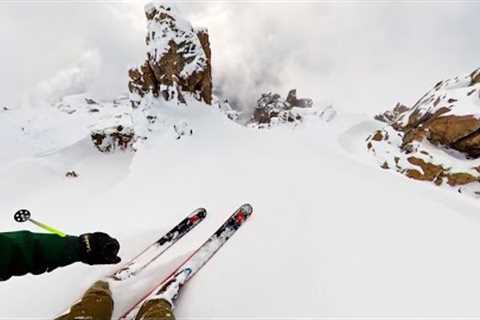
438,138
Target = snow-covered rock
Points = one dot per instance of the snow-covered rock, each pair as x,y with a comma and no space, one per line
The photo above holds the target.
224,106
113,138
391,116
178,58
438,139
293,101
272,109
108,123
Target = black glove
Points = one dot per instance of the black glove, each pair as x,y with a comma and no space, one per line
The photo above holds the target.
98,248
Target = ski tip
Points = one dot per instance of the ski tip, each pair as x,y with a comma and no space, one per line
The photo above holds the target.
201,212
247,208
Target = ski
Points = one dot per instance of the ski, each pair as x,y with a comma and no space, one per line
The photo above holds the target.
145,258
170,287
156,249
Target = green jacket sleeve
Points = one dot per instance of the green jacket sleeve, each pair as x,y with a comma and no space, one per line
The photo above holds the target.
25,252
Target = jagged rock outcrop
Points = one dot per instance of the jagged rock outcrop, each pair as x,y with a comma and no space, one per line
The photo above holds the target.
271,109
178,59
293,101
391,116
113,138
438,138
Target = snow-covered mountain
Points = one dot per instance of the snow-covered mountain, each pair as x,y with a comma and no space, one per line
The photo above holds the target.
437,139
332,235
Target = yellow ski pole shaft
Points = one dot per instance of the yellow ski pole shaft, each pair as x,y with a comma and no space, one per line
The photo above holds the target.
48,228
23,215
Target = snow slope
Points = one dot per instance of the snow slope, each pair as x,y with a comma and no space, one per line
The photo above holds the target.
331,236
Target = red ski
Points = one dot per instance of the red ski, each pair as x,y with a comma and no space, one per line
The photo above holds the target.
169,288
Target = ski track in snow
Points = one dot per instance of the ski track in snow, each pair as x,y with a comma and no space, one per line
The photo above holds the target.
353,139
331,235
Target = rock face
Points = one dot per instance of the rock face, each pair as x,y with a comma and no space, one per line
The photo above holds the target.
293,101
393,115
437,139
113,138
178,59
271,109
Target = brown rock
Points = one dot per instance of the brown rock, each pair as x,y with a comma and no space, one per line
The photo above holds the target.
475,77
447,130
178,59
167,71
203,81
392,116
142,81
430,171
436,173
470,145
460,133
417,118
439,118
460,178
414,135
378,136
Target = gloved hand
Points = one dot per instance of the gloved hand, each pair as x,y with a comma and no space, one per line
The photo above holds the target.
98,248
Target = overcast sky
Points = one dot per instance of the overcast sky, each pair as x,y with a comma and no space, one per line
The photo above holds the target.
359,56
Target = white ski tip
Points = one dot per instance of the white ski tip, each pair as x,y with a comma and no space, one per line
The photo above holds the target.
247,208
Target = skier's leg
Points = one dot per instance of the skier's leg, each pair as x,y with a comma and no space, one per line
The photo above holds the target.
96,303
156,309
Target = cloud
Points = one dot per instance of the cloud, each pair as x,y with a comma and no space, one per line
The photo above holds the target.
41,40
75,79
362,57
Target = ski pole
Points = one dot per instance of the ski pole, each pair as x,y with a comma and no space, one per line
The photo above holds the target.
24,215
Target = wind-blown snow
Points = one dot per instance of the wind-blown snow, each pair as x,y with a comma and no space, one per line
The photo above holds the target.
75,79
331,234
